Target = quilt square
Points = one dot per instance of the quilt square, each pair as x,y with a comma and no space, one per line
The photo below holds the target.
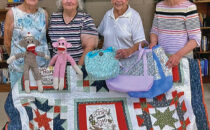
45,86
163,112
181,73
89,85
47,80
104,114
44,116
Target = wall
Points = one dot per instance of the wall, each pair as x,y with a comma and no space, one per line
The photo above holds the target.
3,4
97,9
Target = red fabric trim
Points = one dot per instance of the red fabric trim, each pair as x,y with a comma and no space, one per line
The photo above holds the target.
25,104
160,97
120,116
136,105
44,87
184,108
6,127
142,100
82,117
57,109
86,83
119,112
203,93
175,72
140,120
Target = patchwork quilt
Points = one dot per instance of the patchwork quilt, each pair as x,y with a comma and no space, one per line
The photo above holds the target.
89,105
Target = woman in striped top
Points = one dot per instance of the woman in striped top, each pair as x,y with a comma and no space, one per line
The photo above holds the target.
176,28
76,27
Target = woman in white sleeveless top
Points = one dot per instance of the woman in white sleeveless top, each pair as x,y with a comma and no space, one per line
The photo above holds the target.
20,20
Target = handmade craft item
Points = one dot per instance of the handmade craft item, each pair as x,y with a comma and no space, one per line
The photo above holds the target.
60,60
30,43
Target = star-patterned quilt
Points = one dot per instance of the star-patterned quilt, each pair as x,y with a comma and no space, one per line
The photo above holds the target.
89,105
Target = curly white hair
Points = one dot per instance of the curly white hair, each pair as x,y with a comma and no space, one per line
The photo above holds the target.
80,4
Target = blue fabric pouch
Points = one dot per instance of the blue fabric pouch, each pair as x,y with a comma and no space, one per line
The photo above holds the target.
102,64
159,86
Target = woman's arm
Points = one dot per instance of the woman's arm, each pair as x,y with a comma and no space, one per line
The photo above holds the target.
46,19
153,40
8,30
125,53
89,43
175,58
154,32
194,35
89,37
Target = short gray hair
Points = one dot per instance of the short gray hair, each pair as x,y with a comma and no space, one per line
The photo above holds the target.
80,4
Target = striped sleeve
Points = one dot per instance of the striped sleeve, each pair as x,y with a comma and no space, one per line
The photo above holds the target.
89,26
193,24
155,25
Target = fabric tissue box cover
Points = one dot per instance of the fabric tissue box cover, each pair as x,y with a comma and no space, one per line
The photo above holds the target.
102,64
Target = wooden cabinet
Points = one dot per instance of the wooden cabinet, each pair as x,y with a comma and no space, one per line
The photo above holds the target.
203,7
3,64
2,14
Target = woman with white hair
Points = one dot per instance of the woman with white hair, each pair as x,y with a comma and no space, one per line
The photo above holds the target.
122,29
75,26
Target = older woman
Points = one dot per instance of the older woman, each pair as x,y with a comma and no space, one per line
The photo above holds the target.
76,27
122,29
176,28
20,20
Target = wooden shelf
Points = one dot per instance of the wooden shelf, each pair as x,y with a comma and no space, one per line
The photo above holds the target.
5,87
3,64
198,52
1,40
205,28
15,2
203,7
4,61
201,1
3,10
206,79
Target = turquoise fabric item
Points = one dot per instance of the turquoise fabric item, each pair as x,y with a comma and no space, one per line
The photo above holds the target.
23,23
102,64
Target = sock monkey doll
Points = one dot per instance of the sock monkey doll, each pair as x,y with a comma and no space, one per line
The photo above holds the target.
30,43
60,60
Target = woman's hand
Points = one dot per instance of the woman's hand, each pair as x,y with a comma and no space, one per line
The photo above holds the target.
173,60
151,45
81,62
123,53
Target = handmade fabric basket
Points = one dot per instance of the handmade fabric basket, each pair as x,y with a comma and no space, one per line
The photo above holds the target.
126,83
102,64
163,80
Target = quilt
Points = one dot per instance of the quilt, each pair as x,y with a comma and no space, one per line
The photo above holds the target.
86,104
